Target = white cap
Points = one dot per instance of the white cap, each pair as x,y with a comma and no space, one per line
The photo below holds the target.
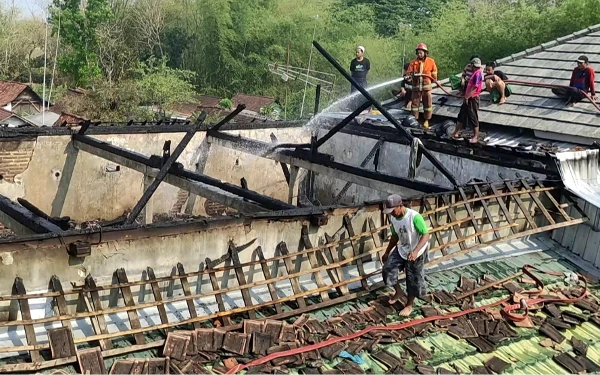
361,48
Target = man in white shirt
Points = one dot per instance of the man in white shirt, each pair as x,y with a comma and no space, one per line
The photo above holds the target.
406,251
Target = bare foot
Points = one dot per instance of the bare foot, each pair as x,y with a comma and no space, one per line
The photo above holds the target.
473,140
406,311
502,101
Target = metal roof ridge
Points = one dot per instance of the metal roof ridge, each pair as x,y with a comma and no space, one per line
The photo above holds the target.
549,44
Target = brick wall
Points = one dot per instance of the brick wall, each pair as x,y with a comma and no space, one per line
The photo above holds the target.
14,158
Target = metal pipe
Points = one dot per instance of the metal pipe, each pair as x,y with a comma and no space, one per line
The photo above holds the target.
385,113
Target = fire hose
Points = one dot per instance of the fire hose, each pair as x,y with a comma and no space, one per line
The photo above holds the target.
508,311
518,82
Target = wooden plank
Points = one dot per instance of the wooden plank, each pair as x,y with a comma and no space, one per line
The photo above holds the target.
314,263
215,286
503,207
356,250
553,200
339,271
241,278
435,224
487,211
522,206
185,286
60,301
376,238
267,276
96,305
282,248
61,342
452,218
134,320
470,212
19,288
162,312
91,361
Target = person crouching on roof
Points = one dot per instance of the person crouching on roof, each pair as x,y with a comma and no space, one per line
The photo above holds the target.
407,251
423,73
582,81
495,83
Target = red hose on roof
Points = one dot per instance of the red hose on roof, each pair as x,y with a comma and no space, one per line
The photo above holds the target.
507,311
523,83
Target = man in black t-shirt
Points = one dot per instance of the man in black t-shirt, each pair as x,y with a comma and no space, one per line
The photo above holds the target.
495,83
359,67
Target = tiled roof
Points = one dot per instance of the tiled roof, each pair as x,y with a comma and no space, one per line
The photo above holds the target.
9,91
4,114
534,107
253,103
521,350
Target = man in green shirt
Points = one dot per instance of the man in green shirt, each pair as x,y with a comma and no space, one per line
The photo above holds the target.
406,251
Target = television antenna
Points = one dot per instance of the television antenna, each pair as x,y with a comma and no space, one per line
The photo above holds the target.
313,77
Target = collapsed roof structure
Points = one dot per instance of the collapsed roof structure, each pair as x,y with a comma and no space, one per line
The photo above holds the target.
257,247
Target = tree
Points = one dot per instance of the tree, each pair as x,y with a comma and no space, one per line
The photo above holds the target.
163,87
389,13
79,58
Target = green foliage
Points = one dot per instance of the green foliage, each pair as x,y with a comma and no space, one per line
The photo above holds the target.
388,14
78,32
223,47
226,103
162,86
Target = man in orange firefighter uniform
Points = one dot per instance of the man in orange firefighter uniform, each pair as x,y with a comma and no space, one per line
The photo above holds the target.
422,75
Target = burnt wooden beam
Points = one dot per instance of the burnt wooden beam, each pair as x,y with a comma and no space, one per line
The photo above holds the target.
324,164
229,117
22,221
284,167
342,124
197,183
164,170
61,222
407,134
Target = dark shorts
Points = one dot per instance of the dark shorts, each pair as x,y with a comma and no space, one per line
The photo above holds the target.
571,94
415,273
361,82
469,113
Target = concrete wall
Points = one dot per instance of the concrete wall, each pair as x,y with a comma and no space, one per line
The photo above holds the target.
58,179
394,160
191,248
582,239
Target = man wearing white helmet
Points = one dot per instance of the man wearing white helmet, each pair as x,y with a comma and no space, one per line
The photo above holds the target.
359,67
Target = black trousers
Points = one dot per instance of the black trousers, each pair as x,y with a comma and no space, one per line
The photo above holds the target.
469,113
570,95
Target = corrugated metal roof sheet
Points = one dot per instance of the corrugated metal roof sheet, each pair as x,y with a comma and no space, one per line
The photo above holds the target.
579,172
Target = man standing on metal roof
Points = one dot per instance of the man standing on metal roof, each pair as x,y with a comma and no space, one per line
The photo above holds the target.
407,251
422,73
469,111
582,82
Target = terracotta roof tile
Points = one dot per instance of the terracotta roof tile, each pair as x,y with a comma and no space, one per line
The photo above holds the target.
10,90
253,103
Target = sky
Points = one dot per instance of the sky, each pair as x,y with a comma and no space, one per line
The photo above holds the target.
29,8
